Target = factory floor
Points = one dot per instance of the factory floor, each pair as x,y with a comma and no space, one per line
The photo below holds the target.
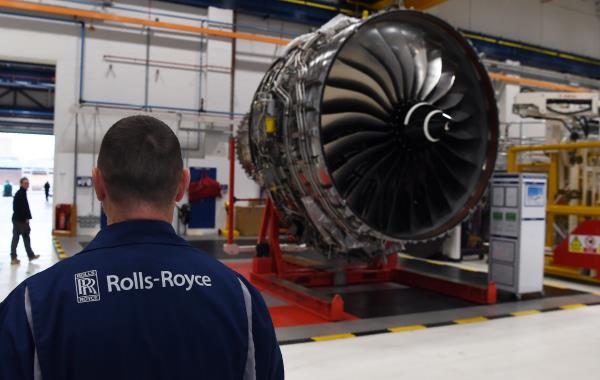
551,338
557,345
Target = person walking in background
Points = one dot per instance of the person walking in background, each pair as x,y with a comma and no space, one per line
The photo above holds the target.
20,219
47,190
7,189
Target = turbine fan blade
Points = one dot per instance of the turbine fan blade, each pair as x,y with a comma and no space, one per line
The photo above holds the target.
450,101
360,59
332,105
459,116
344,76
370,182
420,57
434,73
337,125
350,145
335,94
378,47
349,172
461,133
397,40
444,85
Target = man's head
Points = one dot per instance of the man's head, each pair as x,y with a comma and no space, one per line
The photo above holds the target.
24,182
140,172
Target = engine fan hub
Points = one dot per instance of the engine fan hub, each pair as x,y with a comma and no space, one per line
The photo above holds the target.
419,124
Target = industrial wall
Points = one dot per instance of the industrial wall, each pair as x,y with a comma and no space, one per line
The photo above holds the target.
186,72
190,71
568,25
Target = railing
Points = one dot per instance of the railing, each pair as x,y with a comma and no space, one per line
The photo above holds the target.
552,168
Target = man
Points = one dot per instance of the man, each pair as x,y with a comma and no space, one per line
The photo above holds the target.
47,190
138,302
20,219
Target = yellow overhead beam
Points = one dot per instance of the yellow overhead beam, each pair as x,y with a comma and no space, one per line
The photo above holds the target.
511,159
326,7
380,5
568,146
573,210
421,5
536,83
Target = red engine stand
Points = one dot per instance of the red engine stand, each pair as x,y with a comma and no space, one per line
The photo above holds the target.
586,257
292,281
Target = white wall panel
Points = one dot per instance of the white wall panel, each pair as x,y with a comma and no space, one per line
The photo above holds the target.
456,12
169,85
568,25
116,82
571,30
511,19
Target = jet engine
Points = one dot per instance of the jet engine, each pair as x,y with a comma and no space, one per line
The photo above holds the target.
367,134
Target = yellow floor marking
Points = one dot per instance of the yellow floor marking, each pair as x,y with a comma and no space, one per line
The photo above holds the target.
470,320
524,313
332,337
406,328
555,285
469,269
568,273
573,306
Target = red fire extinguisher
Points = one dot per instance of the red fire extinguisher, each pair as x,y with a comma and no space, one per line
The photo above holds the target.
62,219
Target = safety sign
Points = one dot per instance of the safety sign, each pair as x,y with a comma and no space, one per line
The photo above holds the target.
584,244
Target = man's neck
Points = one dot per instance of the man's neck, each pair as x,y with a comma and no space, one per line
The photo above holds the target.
138,212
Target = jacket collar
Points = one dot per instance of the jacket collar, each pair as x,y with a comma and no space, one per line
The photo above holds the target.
135,232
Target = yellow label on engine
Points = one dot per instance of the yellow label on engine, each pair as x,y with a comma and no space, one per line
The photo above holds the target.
270,124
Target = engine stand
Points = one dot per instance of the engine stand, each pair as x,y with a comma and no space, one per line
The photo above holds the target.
292,278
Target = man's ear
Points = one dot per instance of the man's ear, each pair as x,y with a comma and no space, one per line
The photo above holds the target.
183,184
99,185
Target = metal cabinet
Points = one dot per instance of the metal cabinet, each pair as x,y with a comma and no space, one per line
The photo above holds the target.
517,232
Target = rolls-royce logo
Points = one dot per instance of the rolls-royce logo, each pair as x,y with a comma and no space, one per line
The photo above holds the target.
87,287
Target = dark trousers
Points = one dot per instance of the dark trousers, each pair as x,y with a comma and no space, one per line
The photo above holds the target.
20,229
47,193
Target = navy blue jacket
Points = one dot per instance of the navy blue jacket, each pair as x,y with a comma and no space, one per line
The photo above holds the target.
137,303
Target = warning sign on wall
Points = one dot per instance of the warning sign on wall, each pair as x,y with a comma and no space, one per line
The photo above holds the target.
584,244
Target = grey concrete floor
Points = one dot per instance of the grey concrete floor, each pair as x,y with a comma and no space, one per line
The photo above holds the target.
552,345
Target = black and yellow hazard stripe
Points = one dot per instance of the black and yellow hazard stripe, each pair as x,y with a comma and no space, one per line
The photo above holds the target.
410,328
58,248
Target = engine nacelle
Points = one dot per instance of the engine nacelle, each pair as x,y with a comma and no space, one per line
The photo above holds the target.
370,133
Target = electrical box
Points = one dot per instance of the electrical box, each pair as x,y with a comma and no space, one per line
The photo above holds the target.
517,232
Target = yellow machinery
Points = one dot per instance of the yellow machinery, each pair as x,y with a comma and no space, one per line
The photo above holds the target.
589,202
573,168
